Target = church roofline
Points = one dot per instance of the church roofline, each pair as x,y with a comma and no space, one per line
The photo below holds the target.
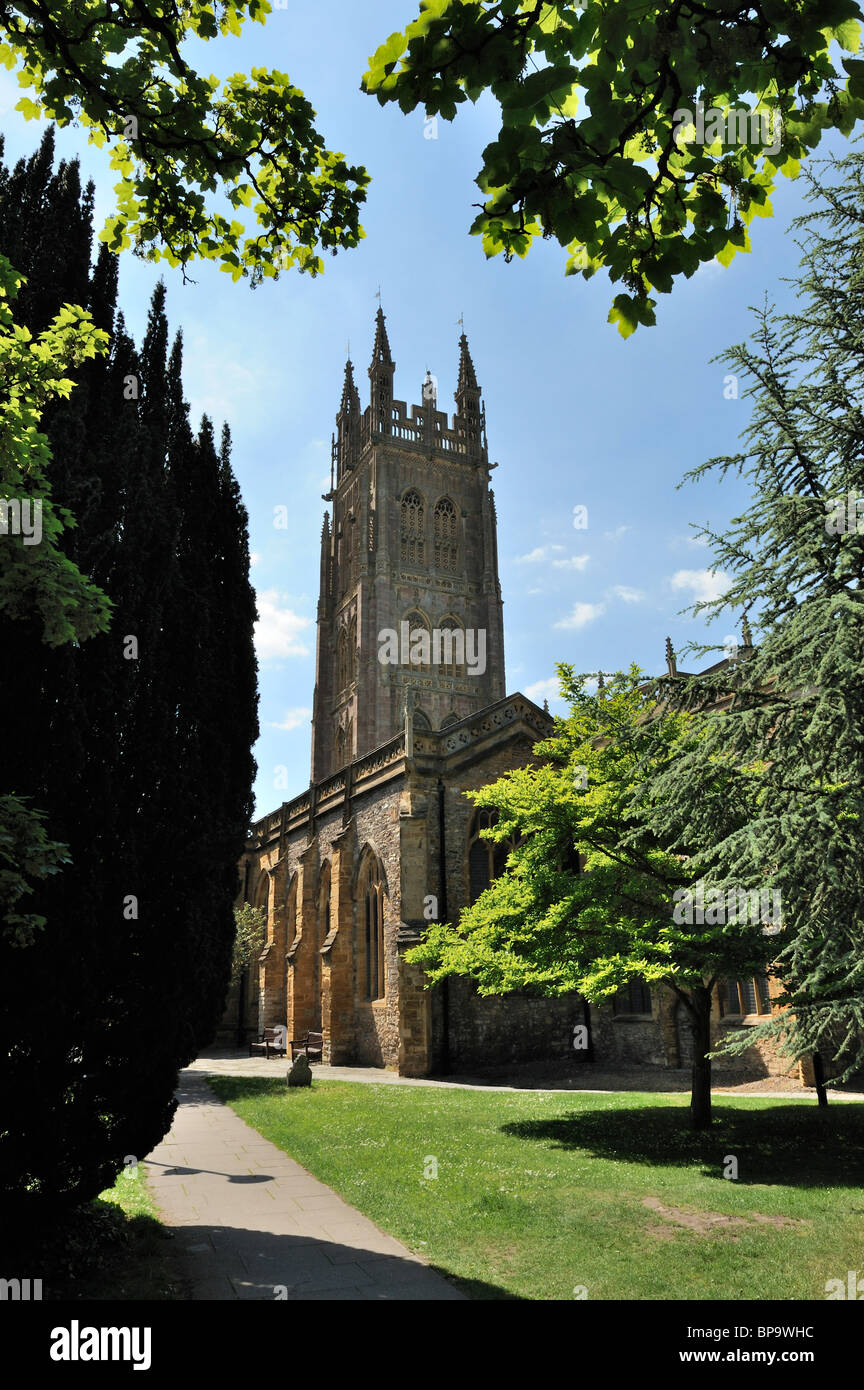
389,759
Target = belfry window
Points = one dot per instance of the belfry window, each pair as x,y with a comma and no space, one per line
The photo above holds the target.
419,640
412,535
445,536
452,640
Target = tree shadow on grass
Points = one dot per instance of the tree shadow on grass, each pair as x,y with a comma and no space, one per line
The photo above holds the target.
782,1145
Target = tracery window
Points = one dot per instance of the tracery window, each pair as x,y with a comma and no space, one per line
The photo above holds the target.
412,532
342,659
419,640
445,525
452,648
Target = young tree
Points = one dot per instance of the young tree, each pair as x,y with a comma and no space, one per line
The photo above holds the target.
621,124
796,560
591,898
249,938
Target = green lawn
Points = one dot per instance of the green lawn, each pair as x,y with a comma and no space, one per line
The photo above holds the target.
540,1193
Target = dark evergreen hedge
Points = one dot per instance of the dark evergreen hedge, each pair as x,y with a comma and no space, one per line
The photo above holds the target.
142,764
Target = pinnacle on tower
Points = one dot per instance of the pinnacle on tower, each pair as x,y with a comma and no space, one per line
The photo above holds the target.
381,349
469,415
350,394
348,424
381,370
467,375
671,660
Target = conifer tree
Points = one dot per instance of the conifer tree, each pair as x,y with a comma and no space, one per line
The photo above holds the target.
794,726
135,745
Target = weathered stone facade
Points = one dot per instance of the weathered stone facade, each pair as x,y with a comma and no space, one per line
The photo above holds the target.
384,839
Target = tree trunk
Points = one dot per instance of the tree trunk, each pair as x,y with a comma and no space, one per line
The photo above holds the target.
819,1078
700,1095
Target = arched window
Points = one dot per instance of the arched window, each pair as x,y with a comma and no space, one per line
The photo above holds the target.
323,923
418,644
452,641
421,720
486,860
346,650
340,746
291,914
342,659
445,533
450,719
412,532
371,907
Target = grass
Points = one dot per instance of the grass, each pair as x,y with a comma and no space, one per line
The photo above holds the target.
114,1247
541,1193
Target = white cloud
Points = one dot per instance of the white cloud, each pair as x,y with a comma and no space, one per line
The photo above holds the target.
254,558
617,533
628,595
704,585
293,719
582,614
573,562
544,690
277,631
535,556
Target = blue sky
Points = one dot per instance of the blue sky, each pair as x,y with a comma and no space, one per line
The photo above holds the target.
576,415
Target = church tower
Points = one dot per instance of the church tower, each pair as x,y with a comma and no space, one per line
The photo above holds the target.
409,611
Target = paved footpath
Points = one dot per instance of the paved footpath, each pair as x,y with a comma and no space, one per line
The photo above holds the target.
235,1062
250,1223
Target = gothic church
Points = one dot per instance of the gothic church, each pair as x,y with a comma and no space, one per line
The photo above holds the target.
350,871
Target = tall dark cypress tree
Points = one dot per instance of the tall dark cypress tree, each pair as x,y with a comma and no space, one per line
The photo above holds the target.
136,743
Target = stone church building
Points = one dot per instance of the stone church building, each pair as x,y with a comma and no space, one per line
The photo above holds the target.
410,711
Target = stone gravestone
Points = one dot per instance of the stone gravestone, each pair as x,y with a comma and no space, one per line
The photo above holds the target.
301,1072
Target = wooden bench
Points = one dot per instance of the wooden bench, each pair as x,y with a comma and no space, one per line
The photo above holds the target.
312,1045
272,1043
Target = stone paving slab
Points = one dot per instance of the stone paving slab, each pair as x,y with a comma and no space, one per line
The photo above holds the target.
251,1224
